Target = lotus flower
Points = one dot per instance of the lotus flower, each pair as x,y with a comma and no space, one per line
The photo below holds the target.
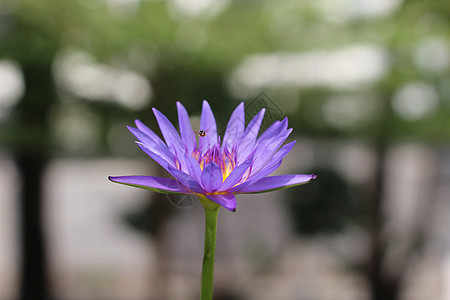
211,167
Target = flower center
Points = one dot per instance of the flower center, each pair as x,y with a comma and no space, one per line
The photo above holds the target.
225,159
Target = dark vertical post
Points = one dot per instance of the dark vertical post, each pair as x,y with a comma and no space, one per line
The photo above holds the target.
383,284
31,155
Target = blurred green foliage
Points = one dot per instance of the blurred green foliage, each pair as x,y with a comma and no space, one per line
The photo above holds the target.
189,57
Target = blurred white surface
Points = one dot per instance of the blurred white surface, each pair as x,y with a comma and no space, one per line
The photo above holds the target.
93,254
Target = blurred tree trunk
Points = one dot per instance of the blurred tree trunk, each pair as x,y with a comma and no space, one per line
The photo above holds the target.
31,156
382,285
33,271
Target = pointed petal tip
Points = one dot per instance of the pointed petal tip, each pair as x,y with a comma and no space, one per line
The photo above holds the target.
262,112
228,201
240,106
155,111
313,176
114,178
132,129
230,208
152,183
138,124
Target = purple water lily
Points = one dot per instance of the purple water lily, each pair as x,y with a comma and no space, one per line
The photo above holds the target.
215,169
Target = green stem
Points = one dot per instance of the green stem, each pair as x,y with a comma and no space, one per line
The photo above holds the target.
209,252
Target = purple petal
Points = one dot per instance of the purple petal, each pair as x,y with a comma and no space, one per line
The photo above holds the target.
236,175
266,149
157,157
194,168
256,178
142,127
169,132
247,142
273,164
226,200
149,143
235,128
172,138
186,180
278,182
156,184
276,128
211,177
275,160
186,132
272,131
207,124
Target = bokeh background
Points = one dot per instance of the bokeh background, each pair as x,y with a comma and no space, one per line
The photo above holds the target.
365,85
